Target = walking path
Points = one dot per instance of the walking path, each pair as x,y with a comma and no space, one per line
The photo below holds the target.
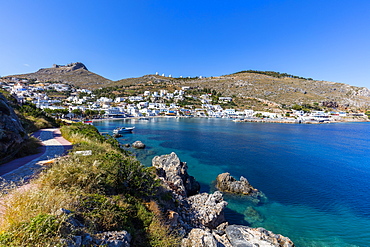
20,170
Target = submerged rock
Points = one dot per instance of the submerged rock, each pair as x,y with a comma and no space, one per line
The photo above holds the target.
227,183
252,215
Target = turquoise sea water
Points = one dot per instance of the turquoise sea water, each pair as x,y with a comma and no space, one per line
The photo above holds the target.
316,177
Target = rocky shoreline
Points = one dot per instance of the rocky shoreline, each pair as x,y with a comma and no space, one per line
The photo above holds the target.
199,218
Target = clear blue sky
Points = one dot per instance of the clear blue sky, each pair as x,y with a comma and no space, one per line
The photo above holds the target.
322,39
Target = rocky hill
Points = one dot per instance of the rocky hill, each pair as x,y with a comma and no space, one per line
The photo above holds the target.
73,73
286,90
248,88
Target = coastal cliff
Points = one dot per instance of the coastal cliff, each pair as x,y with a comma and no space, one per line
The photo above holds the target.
200,218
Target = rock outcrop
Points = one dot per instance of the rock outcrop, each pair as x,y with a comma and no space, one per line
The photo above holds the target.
235,236
200,218
12,133
82,238
61,69
138,145
247,236
174,173
207,210
199,238
227,183
70,67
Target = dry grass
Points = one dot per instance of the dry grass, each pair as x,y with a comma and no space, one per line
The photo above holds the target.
30,146
31,200
28,215
40,123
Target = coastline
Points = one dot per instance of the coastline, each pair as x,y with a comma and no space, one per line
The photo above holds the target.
249,120
298,139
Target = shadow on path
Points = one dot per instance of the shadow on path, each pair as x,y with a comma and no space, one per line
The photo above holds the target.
54,145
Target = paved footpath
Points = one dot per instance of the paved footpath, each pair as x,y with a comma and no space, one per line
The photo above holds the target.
22,169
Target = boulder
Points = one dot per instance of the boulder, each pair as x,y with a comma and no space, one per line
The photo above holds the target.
226,183
199,238
114,239
235,236
138,145
12,133
206,210
174,173
245,236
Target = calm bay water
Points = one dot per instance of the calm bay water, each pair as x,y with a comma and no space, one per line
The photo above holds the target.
316,177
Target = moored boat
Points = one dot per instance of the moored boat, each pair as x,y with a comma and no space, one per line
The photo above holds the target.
88,122
121,130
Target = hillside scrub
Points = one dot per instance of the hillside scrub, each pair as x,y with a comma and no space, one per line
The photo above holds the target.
31,117
106,191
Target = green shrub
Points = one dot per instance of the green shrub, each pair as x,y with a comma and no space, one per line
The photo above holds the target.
102,213
126,175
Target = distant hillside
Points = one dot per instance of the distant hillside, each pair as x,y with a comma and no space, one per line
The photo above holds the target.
272,89
248,88
287,90
74,73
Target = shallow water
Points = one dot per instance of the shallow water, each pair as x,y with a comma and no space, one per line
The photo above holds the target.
316,177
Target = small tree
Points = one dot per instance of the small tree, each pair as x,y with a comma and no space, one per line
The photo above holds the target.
77,112
297,107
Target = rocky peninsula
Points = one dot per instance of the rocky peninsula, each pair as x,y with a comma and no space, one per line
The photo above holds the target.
199,218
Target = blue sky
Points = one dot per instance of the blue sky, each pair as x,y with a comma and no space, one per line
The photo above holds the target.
325,40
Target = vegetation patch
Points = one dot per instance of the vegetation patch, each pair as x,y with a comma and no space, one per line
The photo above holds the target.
106,191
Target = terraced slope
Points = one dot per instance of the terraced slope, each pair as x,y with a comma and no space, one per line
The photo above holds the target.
287,90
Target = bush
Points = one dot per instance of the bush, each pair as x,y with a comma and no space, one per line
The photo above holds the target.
100,212
126,175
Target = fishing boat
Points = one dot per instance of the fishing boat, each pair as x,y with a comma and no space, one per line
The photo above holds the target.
121,130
